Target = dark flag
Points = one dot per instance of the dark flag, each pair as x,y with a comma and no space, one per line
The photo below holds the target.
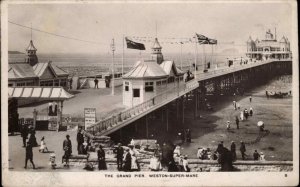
212,41
134,45
202,39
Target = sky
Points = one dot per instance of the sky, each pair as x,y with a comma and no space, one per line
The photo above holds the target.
100,22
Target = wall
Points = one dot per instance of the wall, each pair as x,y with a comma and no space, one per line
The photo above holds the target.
197,165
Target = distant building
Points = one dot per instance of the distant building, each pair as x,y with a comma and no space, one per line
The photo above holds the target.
149,78
31,72
269,48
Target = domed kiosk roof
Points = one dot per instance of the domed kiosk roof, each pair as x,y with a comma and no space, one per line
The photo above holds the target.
146,69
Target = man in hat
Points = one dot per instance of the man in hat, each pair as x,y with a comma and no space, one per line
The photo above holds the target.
119,151
232,150
80,140
67,147
228,125
243,150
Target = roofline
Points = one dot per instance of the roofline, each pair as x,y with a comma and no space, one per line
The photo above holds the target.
157,77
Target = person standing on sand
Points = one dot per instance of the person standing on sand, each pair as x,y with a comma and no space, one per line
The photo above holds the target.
234,105
242,115
237,121
250,99
243,150
232,149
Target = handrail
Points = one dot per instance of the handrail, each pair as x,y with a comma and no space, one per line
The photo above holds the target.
161,98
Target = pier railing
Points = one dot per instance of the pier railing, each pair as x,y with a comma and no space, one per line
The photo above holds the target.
159,100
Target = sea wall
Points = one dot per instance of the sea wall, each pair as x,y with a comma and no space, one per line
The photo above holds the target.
197,165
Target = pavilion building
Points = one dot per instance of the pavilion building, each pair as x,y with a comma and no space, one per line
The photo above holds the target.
269,48
31,72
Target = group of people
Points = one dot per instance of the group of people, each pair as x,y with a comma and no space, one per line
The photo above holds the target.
206,154
126,158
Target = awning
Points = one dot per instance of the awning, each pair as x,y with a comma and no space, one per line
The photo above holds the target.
42,93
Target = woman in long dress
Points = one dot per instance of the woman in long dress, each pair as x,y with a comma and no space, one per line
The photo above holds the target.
134,164
242,115
101,158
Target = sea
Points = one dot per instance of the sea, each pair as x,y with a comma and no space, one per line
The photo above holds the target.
93,64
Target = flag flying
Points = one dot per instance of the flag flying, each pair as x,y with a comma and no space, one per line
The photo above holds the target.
134,45
205,40
202,39
212,41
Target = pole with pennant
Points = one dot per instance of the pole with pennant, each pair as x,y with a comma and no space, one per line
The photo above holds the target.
123,57
181,55
196,55
113,73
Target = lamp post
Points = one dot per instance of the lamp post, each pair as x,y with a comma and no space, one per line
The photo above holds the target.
112,45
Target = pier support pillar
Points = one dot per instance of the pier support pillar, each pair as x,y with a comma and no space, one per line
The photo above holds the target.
167,118
182,100
147,130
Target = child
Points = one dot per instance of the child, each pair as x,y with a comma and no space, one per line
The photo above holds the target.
43,147
52,161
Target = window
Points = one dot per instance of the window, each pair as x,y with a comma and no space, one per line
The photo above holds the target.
21,84
63,82
10,84
29,84
158,83
136,92
56,82
126,86
163,82
46,83
171,79
149,87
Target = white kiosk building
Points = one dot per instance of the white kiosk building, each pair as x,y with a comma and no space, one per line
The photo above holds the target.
149,78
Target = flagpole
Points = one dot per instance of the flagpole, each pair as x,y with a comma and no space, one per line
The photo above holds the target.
181,55
204,57
123,57
113,76
196,55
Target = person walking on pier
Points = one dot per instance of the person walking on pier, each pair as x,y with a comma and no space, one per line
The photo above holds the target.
80,140
67,147
29,155
237,121
243,150
96,82
24,133
120,152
